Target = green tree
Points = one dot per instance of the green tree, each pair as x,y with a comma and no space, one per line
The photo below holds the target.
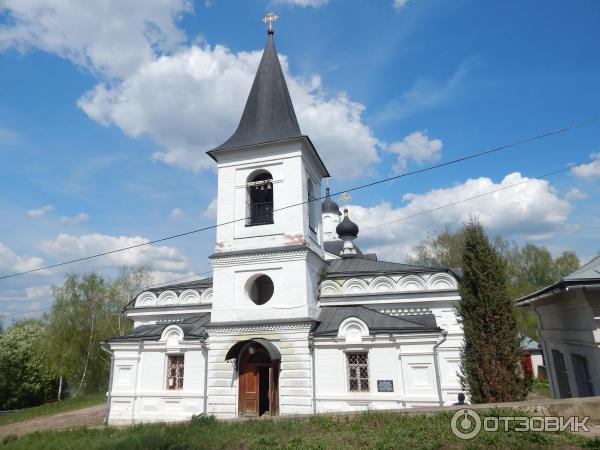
443,249
565,264
528,268
24,381
491,357
86,311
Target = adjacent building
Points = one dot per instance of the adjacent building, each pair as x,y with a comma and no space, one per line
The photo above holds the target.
569,328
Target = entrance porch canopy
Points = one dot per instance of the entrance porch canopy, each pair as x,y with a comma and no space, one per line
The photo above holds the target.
271,349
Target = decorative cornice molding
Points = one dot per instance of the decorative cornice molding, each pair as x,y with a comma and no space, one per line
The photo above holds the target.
170,298
259,255
216,329
385,285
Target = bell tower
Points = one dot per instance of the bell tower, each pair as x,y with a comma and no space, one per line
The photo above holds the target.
268,252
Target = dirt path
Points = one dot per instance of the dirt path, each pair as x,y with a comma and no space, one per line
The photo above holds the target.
91,416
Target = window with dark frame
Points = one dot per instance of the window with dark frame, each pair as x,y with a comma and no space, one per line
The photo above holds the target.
174,372
358,372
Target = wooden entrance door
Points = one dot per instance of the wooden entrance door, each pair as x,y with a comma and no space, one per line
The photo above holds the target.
258,383
249,390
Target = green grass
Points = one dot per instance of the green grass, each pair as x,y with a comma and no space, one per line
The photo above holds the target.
540,386
53,408
376,430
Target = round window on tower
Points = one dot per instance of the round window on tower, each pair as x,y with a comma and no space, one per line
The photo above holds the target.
260,289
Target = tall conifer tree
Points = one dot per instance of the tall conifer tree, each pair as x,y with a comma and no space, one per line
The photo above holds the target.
491,365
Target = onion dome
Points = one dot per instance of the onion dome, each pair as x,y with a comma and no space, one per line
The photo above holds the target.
328,206
347,228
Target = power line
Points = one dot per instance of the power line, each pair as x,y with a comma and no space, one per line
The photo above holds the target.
153,286
447,205
383,180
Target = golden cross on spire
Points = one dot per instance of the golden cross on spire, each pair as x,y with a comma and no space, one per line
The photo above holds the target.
345,198
270,18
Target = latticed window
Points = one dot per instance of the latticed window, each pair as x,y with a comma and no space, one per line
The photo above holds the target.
358,372
175,372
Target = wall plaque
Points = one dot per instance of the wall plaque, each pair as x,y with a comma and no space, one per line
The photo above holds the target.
385,386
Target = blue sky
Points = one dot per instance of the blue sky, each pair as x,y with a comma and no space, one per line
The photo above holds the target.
104,122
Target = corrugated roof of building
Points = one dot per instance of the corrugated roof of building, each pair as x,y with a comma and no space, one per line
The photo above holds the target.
199,284
331,317
589,271
588,274
362,266
193,328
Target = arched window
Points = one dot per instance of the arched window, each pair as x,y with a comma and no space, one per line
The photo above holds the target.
259,198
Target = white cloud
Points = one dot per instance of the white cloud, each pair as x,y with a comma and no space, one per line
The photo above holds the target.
528,211
417,147
304,3
575,194
211,210
11,262
162,258
589,170
75,220
399,4
110,37
176,213
39,212
185,98
192,100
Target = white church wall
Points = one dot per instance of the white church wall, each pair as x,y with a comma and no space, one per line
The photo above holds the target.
292,277
295,385
288,163
139,390
407,361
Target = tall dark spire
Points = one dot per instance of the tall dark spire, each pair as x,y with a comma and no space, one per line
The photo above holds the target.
269,114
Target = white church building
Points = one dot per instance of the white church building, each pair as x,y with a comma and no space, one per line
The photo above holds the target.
296,318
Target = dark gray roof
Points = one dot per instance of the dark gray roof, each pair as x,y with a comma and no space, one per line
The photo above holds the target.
361,266
198,285
269,114
193,328
335,247
330,319
588,274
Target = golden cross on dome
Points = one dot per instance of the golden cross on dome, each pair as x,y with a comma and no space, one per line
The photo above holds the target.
345,198
270,18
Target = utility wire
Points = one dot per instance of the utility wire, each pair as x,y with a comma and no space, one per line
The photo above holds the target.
383,180
447,205
153,286
529,180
